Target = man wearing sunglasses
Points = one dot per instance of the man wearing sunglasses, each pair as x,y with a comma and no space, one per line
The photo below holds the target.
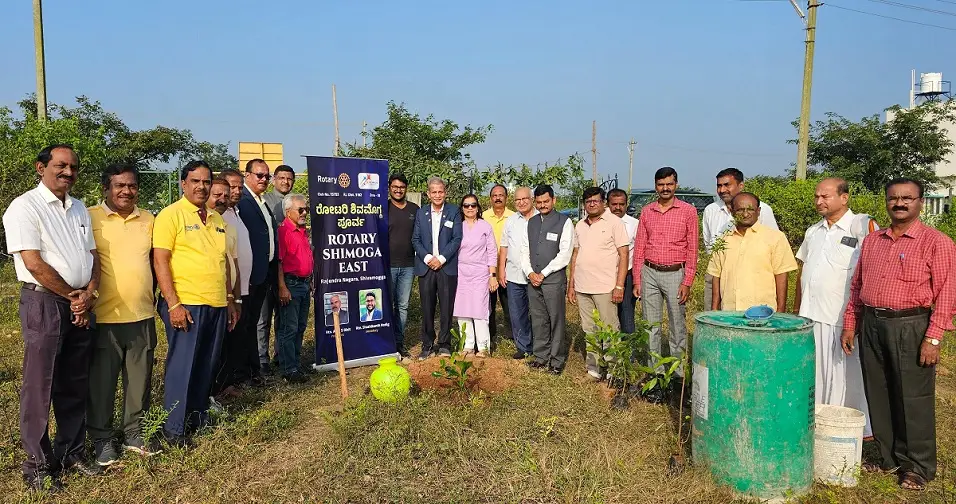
259,220
295,286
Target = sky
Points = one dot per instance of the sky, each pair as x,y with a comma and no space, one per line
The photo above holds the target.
700,85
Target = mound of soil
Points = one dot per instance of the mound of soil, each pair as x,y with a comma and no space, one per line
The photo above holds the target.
490,375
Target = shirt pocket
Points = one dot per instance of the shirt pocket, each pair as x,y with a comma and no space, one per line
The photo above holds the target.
910,271
841,256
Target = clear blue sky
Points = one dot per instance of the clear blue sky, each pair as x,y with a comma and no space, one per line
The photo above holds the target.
700,84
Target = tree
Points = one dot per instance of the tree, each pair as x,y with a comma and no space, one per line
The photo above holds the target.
421,147
874,152
100,138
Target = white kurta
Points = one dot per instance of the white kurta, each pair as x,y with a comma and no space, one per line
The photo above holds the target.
839,376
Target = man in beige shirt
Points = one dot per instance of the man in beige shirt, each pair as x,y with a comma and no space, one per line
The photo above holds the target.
600,241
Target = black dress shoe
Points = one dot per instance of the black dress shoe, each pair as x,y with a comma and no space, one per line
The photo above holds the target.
43,480
555,371
536,365
257,381
175,440
80,465
295,378
519,355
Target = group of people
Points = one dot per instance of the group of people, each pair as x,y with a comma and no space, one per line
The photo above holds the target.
231,258
228,259
879,300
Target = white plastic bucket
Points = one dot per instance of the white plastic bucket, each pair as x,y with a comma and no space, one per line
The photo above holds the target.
838,444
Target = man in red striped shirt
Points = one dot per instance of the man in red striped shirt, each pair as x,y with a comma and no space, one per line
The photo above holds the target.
295,286
902,299
665,260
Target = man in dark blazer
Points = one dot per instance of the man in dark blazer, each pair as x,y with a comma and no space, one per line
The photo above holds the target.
264,239
436,239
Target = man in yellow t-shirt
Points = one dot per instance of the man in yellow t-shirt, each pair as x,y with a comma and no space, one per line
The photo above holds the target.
189,257
752,268
126,329
496,216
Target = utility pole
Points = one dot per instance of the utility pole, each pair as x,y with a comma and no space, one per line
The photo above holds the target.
630,165
40,61
335,115
594,177
803,141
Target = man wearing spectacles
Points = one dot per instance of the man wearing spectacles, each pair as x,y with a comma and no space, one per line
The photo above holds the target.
295,286
259,220
753,266
514,239
902,299
401,224
600,242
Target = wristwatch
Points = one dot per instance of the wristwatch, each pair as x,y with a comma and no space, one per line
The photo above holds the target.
96,294
618,287
932,341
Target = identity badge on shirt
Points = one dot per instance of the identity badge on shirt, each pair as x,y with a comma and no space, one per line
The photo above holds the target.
448,224
849,241
552,237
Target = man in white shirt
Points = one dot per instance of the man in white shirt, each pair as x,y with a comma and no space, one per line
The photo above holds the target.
617,203
50,235
544,262
829,255
514,239
718,217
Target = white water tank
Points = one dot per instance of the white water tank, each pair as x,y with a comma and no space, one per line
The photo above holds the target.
930,83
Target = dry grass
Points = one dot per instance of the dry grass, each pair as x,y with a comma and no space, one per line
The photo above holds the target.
544,440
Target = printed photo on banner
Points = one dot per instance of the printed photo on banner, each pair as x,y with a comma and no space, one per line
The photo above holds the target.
336,302
371,309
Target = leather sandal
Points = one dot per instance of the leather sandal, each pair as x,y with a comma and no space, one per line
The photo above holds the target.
912,481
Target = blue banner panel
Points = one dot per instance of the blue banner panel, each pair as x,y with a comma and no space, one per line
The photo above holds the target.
350,239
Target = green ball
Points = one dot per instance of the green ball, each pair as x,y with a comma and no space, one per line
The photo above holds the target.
390,382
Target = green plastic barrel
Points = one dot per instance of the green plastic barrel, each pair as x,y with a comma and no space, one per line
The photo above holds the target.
753,399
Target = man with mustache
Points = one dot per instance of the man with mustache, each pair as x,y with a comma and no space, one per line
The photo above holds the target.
126,329
718,219
401,225
617,201
665,261
282,181
260,221
189,257
828,255
233,359
496,216
50,236
902,300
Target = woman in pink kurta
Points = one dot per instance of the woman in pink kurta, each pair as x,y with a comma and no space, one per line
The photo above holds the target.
477,262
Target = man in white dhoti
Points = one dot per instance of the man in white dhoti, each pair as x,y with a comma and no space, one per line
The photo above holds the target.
828,257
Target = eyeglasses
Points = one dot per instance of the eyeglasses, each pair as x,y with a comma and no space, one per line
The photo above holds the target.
399,187
261,176
302,210
470,205
592,202
522,199
906,200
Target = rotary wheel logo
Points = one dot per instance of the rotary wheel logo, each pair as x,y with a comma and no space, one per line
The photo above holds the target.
344,180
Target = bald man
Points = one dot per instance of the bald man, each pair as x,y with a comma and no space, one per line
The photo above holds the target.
829,255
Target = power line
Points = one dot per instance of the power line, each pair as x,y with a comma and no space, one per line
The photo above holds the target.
914,7
890,17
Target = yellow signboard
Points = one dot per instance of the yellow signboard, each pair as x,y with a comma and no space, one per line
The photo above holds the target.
271,153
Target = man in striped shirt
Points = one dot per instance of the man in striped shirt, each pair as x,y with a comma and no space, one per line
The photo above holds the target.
665,260
902,299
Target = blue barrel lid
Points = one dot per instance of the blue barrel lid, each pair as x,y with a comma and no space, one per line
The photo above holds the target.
738,319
